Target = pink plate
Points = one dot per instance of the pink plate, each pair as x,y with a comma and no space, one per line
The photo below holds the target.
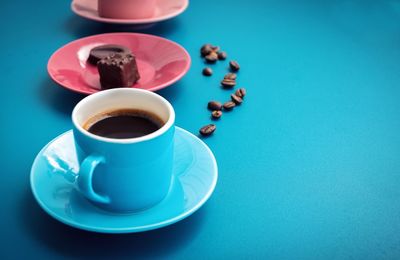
161,62
165,9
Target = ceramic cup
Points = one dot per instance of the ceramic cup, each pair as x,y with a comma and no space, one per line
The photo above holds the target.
126,9
124,175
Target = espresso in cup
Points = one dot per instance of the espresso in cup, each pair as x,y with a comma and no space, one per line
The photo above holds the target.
124,123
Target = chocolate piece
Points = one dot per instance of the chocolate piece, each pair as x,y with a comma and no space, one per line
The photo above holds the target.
102,51
118,70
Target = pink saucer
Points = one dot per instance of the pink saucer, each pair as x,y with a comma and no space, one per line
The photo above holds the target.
165,9
161,62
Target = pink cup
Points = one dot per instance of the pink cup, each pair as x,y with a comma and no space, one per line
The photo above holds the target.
126,9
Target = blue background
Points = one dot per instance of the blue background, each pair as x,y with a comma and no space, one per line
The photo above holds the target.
308,166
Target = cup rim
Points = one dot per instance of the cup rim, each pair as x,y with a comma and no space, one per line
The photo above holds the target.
167,125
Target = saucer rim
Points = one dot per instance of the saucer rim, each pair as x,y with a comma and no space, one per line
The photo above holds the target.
135,229
150,20
127,34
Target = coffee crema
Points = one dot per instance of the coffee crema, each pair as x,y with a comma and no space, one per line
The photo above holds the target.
123,123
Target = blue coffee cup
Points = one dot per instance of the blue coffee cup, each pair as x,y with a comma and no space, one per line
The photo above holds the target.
124,175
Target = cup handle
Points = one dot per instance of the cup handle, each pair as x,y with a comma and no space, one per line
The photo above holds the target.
85,177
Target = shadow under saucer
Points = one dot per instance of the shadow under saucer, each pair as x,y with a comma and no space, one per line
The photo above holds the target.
71,242
80,27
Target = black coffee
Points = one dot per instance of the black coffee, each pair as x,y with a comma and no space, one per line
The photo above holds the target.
124,123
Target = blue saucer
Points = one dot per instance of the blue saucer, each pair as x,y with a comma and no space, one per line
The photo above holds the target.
195,177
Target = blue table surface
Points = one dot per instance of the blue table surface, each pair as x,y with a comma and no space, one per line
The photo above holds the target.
309,165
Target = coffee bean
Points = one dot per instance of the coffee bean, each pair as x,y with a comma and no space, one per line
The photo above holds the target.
207,71
234,65
237,100
212,57
241,92
228,83
230,76
207,130
215,48
205,50
229,105
222,55
214,105
216,114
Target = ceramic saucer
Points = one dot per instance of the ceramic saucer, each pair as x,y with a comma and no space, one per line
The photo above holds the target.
161,62
164,10
195,177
